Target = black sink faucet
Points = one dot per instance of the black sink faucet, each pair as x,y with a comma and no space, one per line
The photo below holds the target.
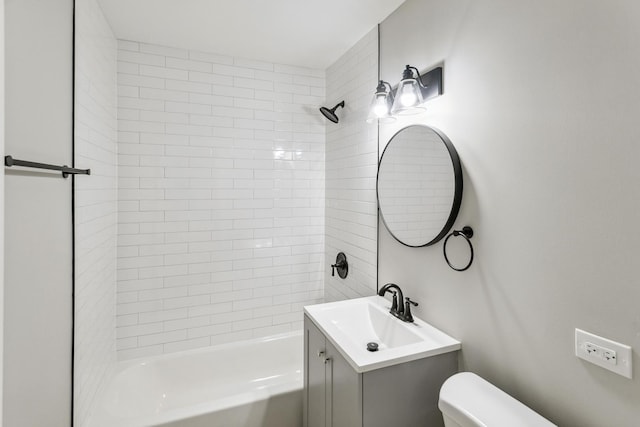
398,309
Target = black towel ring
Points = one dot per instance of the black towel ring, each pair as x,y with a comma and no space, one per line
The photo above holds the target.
467,233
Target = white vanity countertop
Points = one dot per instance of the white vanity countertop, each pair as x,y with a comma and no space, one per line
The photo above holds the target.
351,324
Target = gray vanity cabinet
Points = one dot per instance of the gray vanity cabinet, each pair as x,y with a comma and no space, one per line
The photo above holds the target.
335,395
315,377
332,389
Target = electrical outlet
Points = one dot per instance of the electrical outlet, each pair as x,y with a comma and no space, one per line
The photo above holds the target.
603,352
610,356
593,350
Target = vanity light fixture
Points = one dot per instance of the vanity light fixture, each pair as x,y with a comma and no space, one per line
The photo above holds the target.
381,104
409,96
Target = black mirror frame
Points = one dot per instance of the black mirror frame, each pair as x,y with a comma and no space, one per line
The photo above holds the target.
457,195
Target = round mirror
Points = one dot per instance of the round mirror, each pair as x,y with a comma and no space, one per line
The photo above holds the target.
419,185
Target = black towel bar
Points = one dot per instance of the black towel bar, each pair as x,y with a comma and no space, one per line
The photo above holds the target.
66,171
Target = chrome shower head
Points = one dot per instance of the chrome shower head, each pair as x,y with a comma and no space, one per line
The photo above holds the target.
331,113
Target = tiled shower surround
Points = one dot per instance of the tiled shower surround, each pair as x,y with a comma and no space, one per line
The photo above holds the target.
96,206
351,166
221,198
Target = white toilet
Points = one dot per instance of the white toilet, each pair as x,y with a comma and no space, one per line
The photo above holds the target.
466,400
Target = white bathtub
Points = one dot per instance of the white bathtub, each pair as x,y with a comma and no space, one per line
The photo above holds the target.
256,383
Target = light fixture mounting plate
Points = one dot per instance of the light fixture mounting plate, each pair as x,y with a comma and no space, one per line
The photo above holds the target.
432,83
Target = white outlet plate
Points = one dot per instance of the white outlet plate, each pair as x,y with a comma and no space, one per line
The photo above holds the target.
598,350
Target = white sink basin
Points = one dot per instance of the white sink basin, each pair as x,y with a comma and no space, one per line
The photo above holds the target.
351,324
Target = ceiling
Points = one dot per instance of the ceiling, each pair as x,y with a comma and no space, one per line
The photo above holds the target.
294,32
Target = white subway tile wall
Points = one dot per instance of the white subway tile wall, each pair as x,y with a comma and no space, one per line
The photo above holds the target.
351,168
96,206
221,198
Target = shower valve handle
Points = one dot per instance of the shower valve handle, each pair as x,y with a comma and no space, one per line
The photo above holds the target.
341,265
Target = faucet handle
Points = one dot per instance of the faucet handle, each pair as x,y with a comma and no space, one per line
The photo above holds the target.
409,301
408,317
394,303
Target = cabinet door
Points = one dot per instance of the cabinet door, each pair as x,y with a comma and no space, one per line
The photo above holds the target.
314,376
344,391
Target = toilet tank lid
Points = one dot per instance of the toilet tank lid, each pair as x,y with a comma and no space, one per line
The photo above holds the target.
469,400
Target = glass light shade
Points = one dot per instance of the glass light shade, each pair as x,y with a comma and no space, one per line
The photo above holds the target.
408,98
381,106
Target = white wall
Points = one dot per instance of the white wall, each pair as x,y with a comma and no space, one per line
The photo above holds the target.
221,198
351,164
38,235
540,101
96,206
